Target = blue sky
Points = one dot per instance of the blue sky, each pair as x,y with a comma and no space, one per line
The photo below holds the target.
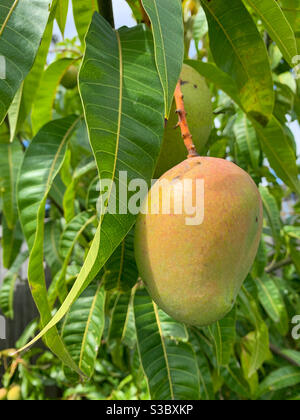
123,17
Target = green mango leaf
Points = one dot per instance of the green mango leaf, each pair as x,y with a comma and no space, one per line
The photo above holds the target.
239,50
292,231
42,111
272,213
83,11
51,246
70,236
41,164
12,240
205,374
278,149
259,340
11,156
13,113
121,272
8,287
292,12
280,379
119,317
120,129
200,27
167,26
61,15
22,24
83,327
170,367
234,380
33,80
223,334
85,166
271,299
246,139
277,26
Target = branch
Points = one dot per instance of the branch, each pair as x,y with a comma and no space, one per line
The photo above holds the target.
277,266
278,352
182,123
106,10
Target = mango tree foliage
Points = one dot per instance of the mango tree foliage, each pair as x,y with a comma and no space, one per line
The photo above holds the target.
58,145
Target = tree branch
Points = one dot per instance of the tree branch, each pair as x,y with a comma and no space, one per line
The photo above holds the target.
182,123
278,265
106,10
278,352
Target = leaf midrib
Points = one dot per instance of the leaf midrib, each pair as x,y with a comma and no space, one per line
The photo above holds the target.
8,16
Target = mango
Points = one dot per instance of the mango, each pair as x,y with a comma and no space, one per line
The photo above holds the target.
3,394
197,102
194,267
69,80
14,394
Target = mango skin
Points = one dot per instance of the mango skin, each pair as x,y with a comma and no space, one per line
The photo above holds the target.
194,273
197,101
14,394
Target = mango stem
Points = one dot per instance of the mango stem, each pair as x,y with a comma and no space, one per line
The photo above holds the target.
182,122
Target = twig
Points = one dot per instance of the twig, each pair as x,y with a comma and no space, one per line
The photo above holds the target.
106,10
278,265
145,17
182,123
278,352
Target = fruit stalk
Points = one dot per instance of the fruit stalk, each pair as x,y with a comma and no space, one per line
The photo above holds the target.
182,122
106,10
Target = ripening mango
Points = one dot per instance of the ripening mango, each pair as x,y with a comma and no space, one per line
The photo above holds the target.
194,271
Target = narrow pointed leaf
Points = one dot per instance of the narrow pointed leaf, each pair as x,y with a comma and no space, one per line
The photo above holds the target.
223,335
40,166
22,24
43,106
33,80
11,156
279,152
61,15
247,140
273,303
167,26
280,379
13,113
119,317
277,26
239,50
121,270
83,11
8,287
83,327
